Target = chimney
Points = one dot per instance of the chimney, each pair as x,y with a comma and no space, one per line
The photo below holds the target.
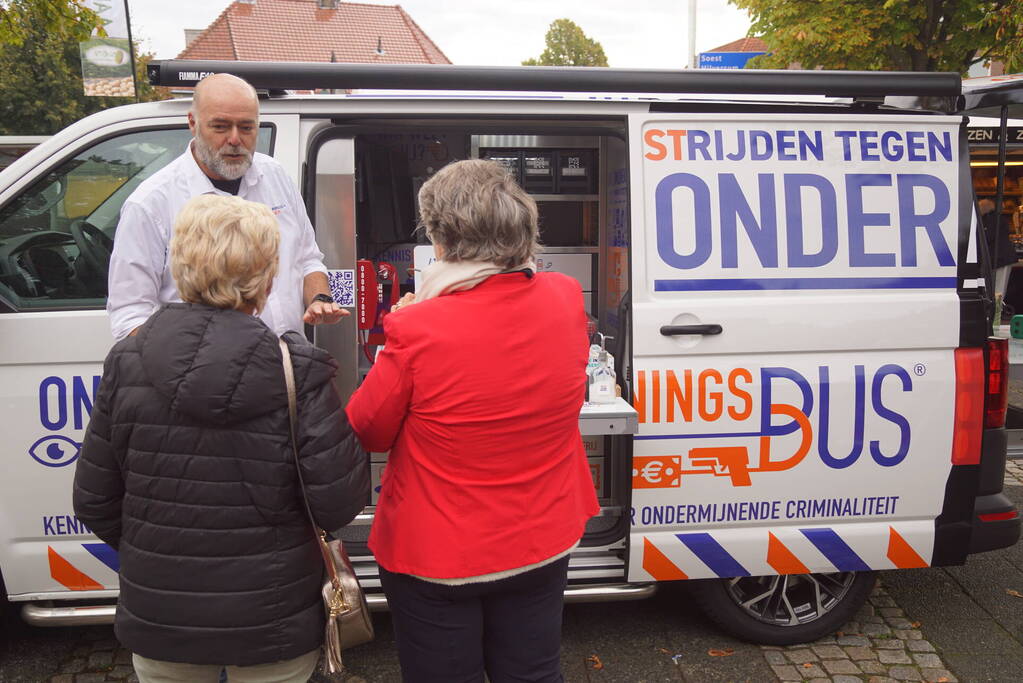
191,34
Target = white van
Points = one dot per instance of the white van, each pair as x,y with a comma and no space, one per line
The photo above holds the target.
793,288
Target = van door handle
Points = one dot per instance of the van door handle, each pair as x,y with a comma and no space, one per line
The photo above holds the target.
672,330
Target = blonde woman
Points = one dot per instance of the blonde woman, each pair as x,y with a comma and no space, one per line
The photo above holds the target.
187,468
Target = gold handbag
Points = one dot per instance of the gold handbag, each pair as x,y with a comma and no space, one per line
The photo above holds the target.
348,620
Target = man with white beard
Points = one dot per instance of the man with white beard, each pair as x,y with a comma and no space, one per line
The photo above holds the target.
221,159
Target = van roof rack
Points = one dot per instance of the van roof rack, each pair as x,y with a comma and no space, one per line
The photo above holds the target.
326,75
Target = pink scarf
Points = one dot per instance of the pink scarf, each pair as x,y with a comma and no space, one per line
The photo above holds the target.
444,277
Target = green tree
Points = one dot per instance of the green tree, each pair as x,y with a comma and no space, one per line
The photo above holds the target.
900,35
65,18
41,76
567,45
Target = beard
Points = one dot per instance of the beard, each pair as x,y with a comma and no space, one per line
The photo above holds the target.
213,159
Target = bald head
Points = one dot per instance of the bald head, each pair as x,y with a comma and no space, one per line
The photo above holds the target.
223,87
225,122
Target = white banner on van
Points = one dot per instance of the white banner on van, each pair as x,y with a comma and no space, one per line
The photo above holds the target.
813,432
846,203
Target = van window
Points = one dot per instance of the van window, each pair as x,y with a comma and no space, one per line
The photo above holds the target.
55,239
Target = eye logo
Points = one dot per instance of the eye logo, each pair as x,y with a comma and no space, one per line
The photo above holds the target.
55,450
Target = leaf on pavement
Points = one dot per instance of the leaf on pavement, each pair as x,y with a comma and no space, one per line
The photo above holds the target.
1015,594
807,665
721,653
595,661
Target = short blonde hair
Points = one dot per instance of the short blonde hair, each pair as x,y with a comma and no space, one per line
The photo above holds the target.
224,252
476,211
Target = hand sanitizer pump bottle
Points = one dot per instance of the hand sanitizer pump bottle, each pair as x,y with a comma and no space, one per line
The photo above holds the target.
591,365
602,377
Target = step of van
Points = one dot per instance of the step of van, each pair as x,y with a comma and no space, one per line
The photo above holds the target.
48,614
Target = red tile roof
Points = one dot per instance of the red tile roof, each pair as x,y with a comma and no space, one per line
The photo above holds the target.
742,45
298,31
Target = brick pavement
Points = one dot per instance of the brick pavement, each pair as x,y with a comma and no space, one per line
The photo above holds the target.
1014,473
98,659
882,645
885,645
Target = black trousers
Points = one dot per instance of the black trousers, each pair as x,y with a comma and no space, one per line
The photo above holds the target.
511,628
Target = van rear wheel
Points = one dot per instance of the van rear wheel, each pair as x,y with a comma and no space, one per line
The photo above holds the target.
786,609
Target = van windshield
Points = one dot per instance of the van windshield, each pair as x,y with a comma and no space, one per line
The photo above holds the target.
56,237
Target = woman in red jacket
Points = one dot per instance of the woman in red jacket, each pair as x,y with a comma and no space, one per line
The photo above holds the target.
477,396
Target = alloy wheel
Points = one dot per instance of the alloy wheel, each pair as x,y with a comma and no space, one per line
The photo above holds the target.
790,600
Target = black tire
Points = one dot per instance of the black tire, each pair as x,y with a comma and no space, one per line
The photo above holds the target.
783,610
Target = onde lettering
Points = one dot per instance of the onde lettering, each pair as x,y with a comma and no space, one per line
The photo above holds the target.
754,214
64,402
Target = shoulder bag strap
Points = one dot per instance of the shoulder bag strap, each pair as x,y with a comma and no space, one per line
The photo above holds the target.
289,380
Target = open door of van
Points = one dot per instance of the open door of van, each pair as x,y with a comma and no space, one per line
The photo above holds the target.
797,304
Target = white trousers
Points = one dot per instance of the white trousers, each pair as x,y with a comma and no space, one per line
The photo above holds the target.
297,670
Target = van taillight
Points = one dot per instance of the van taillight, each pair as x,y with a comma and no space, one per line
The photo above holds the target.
969,417
997,383
999,516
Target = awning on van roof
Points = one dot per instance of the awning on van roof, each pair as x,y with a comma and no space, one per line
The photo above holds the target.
309,76
985,96
980,97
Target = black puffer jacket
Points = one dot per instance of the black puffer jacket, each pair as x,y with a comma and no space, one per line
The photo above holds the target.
187,469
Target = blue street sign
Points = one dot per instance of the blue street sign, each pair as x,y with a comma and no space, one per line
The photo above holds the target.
726,60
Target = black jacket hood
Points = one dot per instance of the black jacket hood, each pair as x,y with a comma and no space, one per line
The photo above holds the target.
219,365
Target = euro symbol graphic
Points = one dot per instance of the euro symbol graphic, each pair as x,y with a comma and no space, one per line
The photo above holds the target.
652,471
656,471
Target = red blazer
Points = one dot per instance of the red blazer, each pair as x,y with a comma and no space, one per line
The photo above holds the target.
477,396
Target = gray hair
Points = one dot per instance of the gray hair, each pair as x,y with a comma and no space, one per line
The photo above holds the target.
476,211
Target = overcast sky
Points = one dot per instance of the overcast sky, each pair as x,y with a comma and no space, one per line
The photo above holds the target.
634,33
